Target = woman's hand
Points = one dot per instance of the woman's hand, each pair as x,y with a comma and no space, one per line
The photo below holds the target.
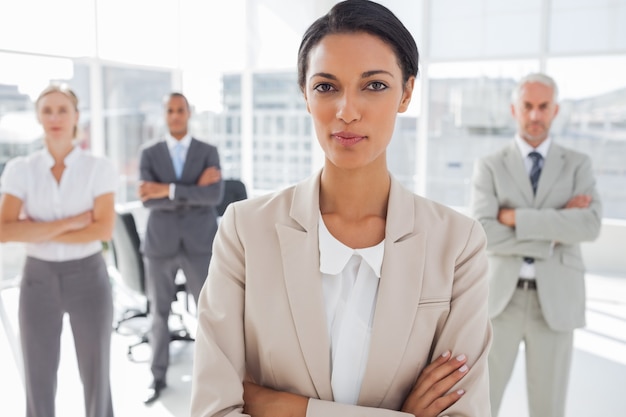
266,402
428,397
79,221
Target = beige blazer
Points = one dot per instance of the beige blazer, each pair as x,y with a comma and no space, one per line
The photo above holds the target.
261,311
544,229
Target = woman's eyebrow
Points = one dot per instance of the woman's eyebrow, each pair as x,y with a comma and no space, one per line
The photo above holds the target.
366,74
323,75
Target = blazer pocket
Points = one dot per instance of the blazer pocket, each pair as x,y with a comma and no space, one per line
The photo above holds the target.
572,261
438,302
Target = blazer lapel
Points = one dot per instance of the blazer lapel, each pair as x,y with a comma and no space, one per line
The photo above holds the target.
552,168
514,164
303,281
165,160
192,157
398,295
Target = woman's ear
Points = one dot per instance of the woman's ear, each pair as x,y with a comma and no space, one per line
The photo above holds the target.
306,101
407,93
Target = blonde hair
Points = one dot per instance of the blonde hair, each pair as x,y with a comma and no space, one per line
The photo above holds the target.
63,89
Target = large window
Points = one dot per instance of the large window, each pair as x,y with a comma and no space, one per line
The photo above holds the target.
473,69
133,115
236,62
593,120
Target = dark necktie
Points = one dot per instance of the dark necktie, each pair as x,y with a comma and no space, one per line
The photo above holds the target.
535,171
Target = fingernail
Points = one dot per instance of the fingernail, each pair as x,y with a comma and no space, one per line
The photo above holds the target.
445,354
461,392
460,358
463,368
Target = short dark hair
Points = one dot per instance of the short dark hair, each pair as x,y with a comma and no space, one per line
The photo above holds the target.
361,16
170,96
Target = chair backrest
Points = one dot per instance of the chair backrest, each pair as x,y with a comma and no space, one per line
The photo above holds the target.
127,254
234,190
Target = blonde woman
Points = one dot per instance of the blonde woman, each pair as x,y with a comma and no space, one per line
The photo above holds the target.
60,202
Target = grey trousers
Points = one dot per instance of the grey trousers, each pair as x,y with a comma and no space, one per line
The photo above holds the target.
81,289
161,289
548,356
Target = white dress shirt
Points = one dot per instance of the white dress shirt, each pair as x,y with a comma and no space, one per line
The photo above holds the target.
85,177
350,282
527,270
171,144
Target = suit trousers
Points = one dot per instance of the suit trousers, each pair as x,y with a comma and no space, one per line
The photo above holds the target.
548,356
80,288
161,290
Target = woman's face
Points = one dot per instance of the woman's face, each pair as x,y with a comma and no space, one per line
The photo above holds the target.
57,115
354,91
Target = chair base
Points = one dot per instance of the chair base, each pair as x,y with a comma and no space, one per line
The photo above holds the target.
129,315
182,335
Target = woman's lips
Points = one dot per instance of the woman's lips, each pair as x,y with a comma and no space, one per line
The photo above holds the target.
347,138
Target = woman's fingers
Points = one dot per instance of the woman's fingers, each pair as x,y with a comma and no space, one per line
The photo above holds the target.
441,368
441,404
430,394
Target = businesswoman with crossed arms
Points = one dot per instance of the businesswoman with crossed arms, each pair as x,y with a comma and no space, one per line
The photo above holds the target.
346,294
60,201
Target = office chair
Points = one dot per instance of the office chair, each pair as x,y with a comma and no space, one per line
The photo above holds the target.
129,263
234,190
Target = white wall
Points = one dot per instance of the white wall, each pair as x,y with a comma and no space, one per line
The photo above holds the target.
607,254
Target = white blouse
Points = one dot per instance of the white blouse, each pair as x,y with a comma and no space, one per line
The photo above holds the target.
85,177
350,282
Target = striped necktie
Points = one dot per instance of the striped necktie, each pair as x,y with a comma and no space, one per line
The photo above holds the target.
535,170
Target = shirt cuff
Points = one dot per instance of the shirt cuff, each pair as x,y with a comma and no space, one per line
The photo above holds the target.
172,193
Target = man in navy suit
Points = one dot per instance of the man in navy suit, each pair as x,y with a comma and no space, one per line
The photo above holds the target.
181,185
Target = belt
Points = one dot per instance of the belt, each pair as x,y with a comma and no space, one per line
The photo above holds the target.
527,284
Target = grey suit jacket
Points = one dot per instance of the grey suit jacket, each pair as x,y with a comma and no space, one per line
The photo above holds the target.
544,229
190,219
261,311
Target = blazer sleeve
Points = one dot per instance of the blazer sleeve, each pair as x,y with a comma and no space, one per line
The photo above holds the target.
484,207
147,168
219,355
321,408
569,226
467,328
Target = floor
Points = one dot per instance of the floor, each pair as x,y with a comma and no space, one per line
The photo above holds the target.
596,388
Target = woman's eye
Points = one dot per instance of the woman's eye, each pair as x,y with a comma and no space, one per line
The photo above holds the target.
376,86
323,88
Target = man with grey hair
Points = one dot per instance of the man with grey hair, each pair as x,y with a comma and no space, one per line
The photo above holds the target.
537,201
